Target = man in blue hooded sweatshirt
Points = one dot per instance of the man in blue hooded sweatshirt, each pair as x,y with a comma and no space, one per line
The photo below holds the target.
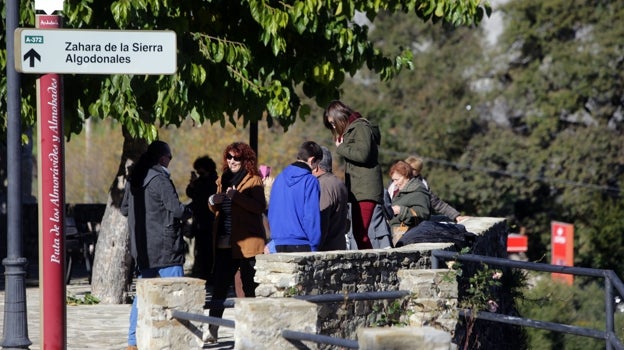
294,211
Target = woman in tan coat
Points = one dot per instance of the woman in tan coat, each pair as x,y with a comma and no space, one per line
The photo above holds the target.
238,228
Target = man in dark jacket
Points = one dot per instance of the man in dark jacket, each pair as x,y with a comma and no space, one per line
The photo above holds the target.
333,205
154,214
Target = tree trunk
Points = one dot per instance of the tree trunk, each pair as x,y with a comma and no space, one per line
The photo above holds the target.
112,263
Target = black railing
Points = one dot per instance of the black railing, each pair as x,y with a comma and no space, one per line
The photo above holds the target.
291,335
219,304
188,316
611,281
332,298
319,339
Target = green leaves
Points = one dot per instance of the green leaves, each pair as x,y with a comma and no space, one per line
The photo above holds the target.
323,73
121,11
86,299
198,74
273,21
236,58
439,11
279,101
218,49
81,13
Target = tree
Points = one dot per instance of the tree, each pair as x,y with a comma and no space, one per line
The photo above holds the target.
580,305
553,150
527,129
238,60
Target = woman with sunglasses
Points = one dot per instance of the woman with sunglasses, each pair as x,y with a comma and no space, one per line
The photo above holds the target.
238,227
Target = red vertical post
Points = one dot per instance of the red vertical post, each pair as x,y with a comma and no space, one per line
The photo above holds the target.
51,164
562,249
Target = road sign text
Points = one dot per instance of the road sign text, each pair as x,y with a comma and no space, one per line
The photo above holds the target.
95,51
33,39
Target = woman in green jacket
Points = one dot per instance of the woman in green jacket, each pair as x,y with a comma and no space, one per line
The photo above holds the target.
357,140
411,203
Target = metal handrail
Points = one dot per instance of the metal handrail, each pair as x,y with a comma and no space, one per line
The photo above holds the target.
338,297
291,334
182,315
611,281
220,304
323,298
320,339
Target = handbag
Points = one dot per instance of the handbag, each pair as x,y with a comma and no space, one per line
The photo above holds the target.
399,231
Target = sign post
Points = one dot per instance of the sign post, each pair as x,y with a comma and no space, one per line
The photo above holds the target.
51,51
51,167
562,249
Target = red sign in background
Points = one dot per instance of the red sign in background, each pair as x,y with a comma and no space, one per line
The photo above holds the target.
562,248
517,243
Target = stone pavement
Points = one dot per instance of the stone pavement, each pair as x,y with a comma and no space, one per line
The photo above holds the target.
103,327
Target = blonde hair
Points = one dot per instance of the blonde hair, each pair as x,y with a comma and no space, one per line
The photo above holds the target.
416,163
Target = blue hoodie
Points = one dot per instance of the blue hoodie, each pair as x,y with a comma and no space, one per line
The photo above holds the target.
294,210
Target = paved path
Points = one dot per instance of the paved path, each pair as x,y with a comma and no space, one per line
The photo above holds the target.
103,327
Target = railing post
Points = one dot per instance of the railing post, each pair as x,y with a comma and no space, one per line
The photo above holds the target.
435,261
609,311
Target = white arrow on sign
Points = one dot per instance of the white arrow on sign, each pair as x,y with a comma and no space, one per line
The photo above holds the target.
49,6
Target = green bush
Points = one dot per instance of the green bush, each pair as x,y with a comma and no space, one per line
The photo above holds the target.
581,304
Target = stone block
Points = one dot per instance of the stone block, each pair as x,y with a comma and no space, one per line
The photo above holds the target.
404,338
260,321
156,298
432,283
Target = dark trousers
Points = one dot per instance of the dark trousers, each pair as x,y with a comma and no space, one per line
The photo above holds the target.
225,268
202,266
292,248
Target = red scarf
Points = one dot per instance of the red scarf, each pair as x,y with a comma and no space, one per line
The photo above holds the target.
353,116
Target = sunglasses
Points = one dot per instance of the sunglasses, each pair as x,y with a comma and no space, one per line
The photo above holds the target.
236,159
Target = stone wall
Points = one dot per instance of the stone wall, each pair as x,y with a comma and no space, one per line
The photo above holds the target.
289,274
432,301
336,272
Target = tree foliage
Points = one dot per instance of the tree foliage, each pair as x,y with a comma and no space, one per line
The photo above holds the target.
579,305
561,90
529,128
237,58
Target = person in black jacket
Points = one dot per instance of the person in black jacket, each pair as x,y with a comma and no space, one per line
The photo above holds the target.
201,186
155,214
